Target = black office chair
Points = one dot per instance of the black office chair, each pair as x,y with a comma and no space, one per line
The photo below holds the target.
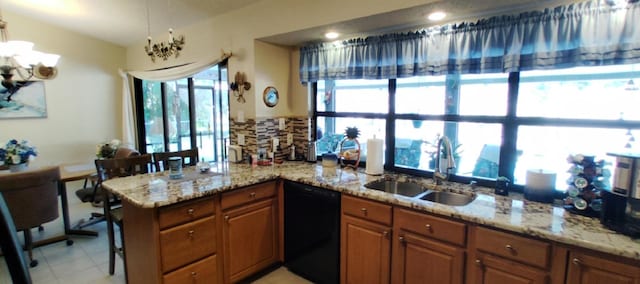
93,193
11,248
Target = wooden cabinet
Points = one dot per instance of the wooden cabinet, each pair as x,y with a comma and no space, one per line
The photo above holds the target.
492,269
365,252
173,244
198,272
501,257
250,230
427,249
587,268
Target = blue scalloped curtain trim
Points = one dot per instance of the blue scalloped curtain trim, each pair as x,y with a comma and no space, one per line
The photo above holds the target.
581,34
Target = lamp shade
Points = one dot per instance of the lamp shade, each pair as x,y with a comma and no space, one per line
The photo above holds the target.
28,59
49,59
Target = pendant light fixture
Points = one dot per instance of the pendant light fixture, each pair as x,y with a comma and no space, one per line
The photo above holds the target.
162,49
19,58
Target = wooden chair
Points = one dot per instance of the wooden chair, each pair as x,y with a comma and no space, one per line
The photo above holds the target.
93,193
32,199
11,246
189,158
114,168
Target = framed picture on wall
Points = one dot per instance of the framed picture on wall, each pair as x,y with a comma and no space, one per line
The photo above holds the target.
28,101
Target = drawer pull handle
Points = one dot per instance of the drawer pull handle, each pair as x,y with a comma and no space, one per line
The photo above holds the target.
194,274
191,211
226,217
510,248
429,228
576,261
252,195
385,234
191,232
364,210
478,262
401,239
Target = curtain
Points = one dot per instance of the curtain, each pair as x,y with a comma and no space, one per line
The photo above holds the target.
581,34
128,114
177,72
163,74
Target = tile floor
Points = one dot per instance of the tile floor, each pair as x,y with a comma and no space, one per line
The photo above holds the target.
87,260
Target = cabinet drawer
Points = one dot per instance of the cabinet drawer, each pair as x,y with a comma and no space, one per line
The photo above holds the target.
366,209
185,212
513,247
204,271
188,242
248,194
431,226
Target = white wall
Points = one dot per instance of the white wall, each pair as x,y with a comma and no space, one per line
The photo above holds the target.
83,101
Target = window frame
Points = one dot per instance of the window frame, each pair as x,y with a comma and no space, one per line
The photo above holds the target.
510,123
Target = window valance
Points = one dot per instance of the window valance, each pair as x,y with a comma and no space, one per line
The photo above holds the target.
581,34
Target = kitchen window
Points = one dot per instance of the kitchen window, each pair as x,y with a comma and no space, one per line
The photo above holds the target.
500,124
186,113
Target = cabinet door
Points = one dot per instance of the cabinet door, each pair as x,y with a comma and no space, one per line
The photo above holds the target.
587,269
490,269
365,254
250,239
420,260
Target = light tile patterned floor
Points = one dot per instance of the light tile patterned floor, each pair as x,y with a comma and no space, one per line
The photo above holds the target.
87,261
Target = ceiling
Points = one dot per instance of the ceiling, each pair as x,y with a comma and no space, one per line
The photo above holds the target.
124,22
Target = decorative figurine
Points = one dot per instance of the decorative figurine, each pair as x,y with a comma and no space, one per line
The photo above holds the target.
350,157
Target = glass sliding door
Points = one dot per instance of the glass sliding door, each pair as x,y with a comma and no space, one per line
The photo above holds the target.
186,113
212,113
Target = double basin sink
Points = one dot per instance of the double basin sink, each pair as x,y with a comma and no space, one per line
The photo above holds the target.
412,189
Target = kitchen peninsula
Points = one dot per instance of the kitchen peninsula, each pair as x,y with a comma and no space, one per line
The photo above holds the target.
157,209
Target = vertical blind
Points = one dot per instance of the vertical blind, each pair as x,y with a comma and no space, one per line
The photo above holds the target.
589,33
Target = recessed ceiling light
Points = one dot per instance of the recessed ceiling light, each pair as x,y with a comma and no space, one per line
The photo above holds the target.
331,35
436,16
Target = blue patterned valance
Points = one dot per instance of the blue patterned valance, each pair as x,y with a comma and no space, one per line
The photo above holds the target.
581,34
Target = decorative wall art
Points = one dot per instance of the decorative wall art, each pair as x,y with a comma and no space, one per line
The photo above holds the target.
27,101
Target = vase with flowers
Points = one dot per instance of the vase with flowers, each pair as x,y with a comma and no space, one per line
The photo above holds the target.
17,154
107,150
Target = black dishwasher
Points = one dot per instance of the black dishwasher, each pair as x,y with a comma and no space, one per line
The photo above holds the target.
312,232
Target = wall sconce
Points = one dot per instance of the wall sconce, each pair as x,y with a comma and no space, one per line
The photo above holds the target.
239,85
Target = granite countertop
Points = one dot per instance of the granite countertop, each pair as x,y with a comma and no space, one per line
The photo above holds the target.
512,213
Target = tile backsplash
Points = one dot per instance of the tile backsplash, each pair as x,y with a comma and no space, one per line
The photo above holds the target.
258,133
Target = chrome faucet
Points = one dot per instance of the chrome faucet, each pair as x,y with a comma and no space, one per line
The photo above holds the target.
438,177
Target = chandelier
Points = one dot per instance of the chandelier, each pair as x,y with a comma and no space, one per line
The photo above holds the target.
162,49
19,58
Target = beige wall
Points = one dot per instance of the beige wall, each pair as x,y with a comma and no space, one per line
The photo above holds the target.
83,101
272,69
236,31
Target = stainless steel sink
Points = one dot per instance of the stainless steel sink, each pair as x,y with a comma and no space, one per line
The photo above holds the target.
448,198
405,188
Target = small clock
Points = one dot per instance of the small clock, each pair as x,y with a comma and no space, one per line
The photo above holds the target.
270,96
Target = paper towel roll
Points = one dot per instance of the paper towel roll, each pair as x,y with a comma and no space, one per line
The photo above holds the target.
540,185
375,156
